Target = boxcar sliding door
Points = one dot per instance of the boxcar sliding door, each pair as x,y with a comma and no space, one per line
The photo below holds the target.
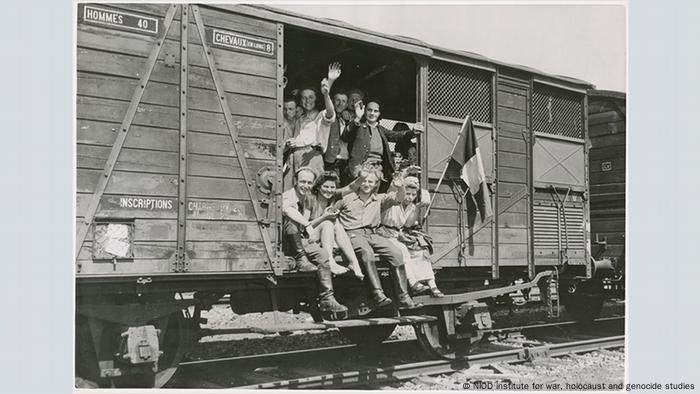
560,214
177,132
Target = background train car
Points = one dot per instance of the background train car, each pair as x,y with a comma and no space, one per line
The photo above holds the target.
607,127
179,156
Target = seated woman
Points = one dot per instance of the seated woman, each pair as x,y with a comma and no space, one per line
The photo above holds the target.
324,193
402,225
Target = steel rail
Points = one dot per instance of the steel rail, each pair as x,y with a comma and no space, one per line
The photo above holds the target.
258,360
406,371
322,351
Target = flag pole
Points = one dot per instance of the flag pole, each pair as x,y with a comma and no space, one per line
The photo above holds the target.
444,170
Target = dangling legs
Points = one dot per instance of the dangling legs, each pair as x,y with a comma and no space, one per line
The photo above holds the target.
327,229
343,241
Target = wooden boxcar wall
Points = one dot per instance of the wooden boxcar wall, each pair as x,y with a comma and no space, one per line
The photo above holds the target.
607,127
537,171
512,158
195,171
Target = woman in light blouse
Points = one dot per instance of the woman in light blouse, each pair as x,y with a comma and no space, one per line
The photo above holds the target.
313,126
402,225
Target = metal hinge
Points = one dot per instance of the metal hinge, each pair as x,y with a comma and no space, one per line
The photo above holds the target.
266,221
180,263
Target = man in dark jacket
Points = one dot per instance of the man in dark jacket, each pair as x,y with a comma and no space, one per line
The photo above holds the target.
368,142
336,156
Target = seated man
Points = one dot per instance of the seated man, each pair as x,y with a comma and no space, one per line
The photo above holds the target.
368,142
359,214
302,242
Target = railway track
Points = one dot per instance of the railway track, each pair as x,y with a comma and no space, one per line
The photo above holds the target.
347,366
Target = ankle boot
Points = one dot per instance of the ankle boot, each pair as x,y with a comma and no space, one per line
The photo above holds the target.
372,277
398,276
331,309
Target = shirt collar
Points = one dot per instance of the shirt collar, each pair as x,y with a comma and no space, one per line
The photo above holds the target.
355,196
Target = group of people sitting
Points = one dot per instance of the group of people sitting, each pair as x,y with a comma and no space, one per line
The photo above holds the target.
347,192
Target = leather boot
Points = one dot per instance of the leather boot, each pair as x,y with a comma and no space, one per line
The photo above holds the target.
372,277
398,276
292,242
328,305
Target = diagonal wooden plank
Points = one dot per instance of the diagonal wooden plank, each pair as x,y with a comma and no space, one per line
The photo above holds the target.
233,132
125,126
514,198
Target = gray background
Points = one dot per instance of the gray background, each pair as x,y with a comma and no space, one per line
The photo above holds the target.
37,164
580,41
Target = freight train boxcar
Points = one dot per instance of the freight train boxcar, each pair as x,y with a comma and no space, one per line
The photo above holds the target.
179,162
607,114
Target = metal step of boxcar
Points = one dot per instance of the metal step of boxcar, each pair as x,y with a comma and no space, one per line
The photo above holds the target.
287,328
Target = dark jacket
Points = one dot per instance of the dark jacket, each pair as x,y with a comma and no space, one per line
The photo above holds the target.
358,139
333,142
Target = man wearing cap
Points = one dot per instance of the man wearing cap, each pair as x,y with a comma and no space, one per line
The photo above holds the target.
301,241
359,213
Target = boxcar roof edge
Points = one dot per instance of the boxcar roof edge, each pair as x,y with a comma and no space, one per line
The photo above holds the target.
402,43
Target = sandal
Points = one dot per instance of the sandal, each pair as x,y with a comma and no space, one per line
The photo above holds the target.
419,288
435,292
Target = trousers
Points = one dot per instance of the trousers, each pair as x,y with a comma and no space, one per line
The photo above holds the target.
296,246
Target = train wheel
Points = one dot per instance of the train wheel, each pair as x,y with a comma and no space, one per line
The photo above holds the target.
433,339
583,300
368,336
87,370
174,343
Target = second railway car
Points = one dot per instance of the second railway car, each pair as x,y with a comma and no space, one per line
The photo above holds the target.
179,161
607,112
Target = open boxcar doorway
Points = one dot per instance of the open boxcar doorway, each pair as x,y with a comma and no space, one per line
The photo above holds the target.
383,74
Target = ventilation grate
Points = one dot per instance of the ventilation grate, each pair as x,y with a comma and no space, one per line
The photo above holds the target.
456,91
557,111
550,228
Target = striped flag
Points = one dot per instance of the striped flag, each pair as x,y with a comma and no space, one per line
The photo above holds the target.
466,153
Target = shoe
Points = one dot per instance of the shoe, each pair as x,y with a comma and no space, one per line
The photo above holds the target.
304,265
380,300
406,302
435,292
419,288
331,309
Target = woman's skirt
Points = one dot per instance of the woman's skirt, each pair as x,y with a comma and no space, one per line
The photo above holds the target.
418,266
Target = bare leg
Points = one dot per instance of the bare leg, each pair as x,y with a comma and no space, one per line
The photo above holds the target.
343,241
327,237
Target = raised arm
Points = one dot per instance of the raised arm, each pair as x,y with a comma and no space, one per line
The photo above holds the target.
326,85
396,196
396,136
354,185
353,125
